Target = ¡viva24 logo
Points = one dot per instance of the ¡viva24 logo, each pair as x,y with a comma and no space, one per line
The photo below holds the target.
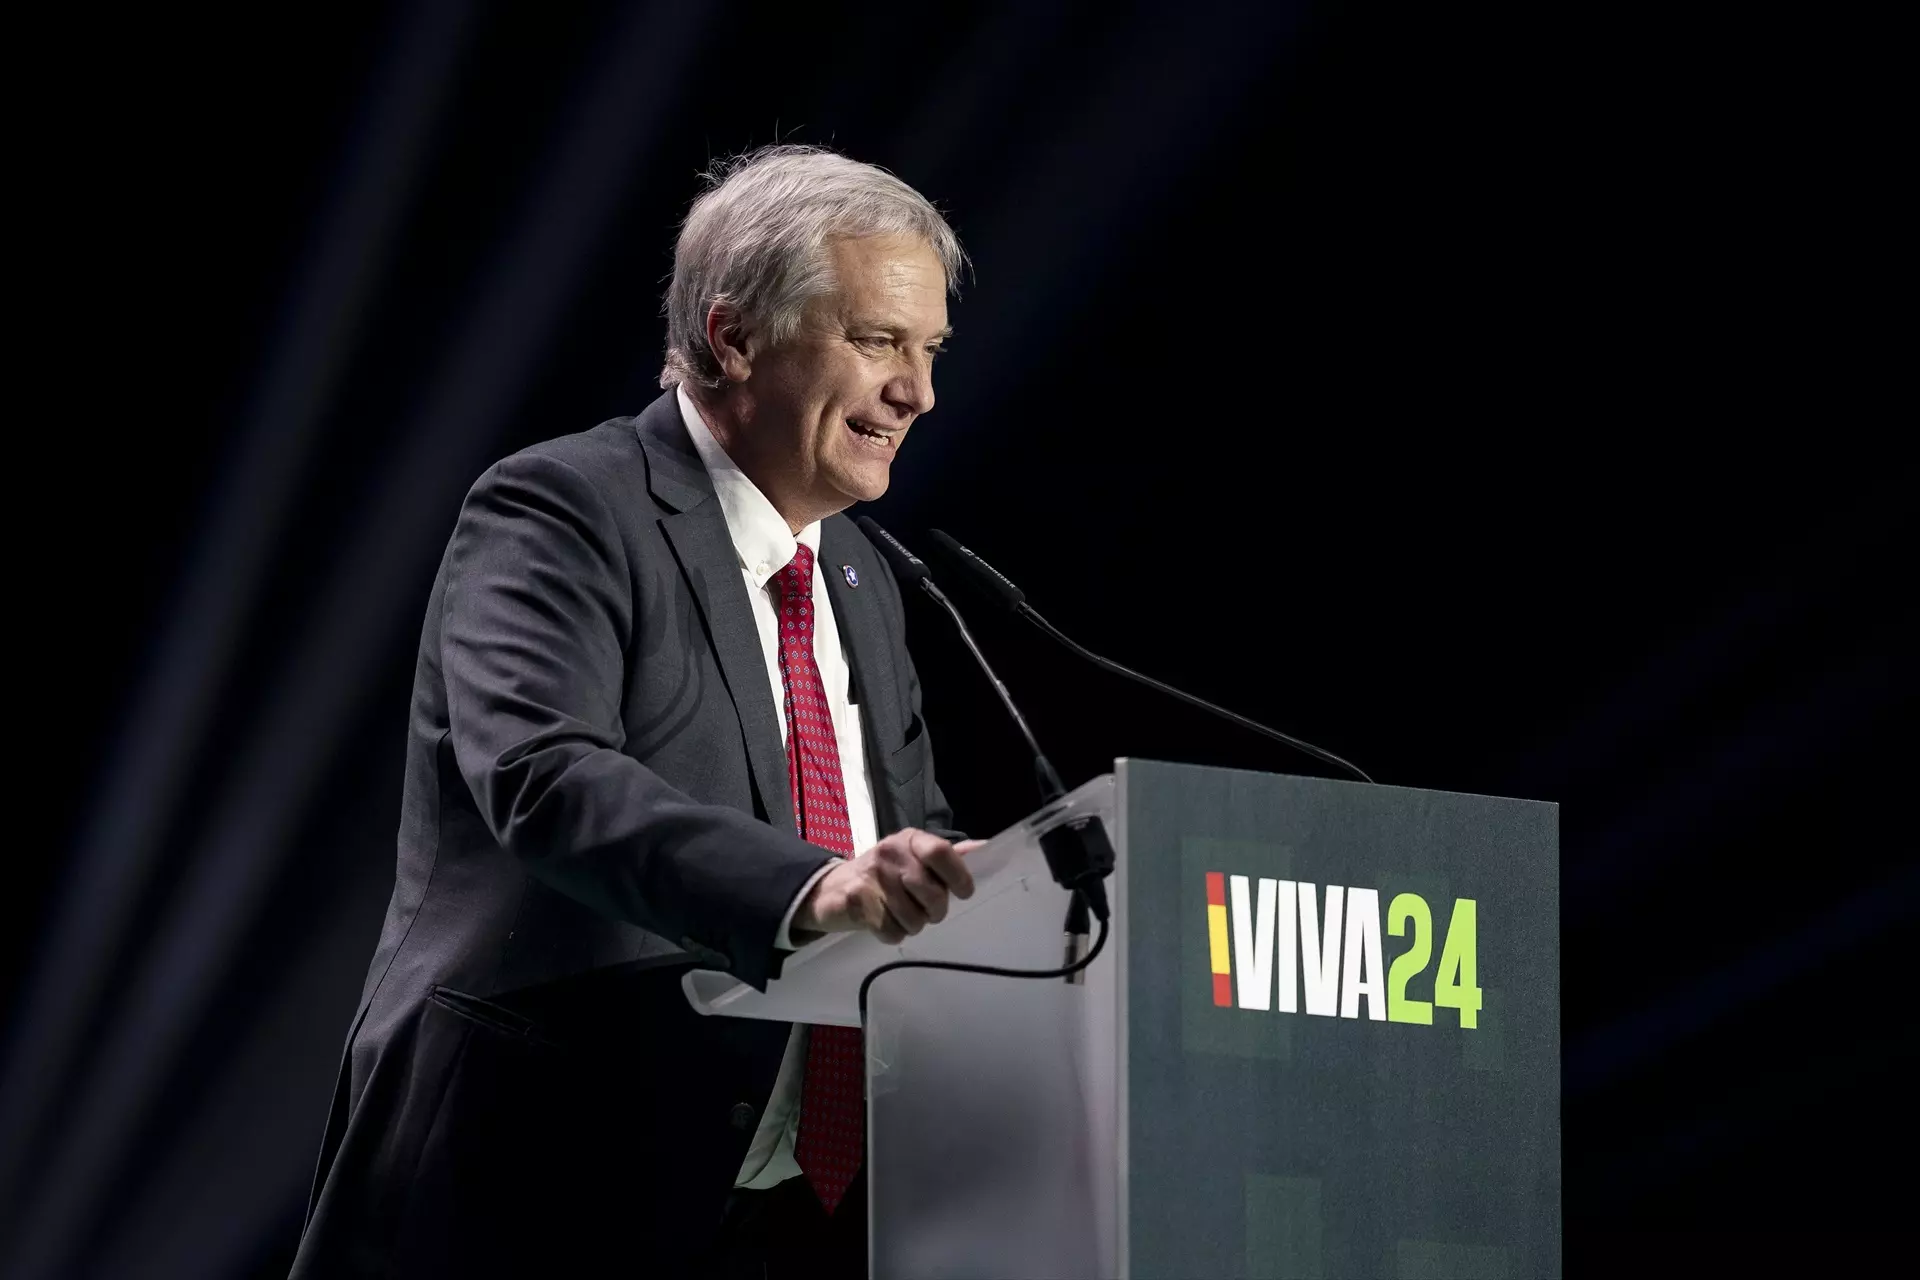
1307,948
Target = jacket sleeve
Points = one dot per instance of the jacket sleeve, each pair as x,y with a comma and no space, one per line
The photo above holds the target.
538,614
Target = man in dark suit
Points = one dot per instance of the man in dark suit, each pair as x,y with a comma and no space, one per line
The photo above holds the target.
663,713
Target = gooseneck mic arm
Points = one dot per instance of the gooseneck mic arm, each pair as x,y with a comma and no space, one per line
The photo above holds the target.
1001,589
1078,854
909,568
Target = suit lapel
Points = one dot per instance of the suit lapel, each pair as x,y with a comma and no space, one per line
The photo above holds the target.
859,613
697,532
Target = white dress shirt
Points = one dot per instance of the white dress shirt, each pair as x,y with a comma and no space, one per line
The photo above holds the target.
765,546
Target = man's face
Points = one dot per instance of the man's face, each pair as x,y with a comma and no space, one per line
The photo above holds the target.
831,406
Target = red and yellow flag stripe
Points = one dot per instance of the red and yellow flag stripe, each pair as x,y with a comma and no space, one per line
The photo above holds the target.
1217,938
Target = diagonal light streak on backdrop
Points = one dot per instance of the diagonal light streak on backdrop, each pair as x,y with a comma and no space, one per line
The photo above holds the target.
1007,46
144,777
1768,742
1748,1118
230,1186
1604,1055
372,593
1645,705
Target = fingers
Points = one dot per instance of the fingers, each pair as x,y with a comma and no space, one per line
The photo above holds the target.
905,884
944,862
873,912
903,906
941,858
933,871
925,891
892,932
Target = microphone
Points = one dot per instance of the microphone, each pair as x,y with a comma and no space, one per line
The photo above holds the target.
1000,588
1078,854
911,570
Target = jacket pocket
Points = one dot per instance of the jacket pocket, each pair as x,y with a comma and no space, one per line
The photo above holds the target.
496,1018
906,762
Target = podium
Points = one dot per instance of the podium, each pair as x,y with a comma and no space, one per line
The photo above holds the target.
1322,1040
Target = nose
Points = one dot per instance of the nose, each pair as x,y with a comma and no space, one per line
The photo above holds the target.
911,390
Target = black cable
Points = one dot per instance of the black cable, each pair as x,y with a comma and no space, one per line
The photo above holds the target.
954,966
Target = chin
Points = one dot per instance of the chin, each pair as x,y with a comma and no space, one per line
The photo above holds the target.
864,485
869,492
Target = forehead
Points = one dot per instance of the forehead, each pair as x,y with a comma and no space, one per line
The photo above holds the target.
896,279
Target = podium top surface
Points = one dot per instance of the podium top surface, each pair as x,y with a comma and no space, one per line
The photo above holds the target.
1354,784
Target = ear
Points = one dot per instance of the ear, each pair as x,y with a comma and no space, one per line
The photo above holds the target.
727,338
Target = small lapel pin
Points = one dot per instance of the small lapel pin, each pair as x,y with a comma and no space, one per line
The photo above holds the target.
853,578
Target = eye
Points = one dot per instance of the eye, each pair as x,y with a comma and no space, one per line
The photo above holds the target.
874,341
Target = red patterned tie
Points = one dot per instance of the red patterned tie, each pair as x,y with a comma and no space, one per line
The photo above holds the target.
832,1106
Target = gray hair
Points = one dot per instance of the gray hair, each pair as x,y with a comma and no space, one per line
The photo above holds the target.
757,240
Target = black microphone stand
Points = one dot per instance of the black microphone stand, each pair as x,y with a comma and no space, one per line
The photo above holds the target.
1079,855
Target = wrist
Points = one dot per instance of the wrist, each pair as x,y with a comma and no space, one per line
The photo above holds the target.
801,924
806,917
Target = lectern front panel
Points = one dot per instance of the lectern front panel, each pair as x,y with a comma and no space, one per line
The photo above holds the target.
1341,1029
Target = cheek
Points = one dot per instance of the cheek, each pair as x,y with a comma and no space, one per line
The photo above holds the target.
838,402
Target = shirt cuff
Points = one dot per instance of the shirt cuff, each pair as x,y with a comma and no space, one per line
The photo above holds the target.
783,938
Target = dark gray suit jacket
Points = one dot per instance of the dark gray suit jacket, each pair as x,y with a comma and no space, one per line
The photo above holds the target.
596,799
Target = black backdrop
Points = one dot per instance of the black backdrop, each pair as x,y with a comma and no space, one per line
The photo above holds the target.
1505,400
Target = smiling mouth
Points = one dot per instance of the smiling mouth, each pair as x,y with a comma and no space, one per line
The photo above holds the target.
888,440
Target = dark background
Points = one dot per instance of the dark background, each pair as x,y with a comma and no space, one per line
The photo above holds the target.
1504,399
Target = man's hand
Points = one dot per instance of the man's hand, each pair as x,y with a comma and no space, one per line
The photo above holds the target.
897,888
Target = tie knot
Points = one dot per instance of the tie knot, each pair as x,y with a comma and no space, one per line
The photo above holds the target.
795,582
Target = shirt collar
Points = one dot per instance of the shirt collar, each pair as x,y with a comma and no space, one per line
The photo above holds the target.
760,535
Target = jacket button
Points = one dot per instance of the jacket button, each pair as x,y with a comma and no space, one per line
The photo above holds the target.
743,1116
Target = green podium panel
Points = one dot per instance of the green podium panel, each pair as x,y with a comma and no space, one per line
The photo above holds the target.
1340,1039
